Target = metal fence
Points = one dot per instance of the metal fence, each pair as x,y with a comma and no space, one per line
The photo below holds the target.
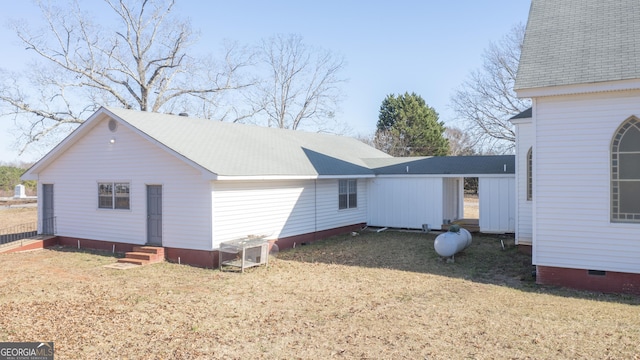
25,231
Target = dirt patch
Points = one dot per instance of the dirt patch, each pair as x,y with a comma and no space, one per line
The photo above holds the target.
376,295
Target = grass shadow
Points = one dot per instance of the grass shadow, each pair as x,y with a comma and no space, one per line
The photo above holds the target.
103,253
485,261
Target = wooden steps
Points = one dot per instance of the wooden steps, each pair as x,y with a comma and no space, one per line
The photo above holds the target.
143,255
471,225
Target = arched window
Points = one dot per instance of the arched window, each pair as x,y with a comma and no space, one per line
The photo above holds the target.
625,172
530,174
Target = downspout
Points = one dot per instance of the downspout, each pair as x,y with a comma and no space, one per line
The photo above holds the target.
315,209
39,210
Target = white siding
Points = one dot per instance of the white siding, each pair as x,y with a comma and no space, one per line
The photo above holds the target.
572,226
497,204
524,215
76,173
406,202
328,216
281,208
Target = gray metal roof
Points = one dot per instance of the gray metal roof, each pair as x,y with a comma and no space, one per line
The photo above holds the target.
571,42
229,149
438,165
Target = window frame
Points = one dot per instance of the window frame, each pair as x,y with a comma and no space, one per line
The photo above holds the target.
114,195
347,194
619,176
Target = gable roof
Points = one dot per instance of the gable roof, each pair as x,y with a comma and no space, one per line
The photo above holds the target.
228,149
573,42
223,150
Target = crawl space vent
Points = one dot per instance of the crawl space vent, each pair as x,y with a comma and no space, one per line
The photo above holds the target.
113,125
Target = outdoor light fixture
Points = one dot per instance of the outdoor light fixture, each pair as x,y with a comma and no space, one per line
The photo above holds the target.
112,141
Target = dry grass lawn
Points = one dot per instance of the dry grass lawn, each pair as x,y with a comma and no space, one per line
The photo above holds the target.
375,296
471,206
17,216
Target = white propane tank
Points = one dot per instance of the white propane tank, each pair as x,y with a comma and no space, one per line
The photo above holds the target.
452,242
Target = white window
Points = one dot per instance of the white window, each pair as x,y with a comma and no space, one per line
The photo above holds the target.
625,172
113,195
347,194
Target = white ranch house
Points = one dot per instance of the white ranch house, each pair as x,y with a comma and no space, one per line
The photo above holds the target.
126,178
578,149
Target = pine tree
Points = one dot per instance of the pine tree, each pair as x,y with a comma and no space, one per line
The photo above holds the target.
407,126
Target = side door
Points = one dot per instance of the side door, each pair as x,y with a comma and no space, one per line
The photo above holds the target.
48,215
154,215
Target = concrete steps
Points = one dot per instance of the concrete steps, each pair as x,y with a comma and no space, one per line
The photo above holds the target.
143,255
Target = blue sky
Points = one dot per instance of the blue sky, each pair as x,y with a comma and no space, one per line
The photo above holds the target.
428,47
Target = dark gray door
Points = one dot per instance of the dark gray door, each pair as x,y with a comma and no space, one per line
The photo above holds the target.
48,216
154,215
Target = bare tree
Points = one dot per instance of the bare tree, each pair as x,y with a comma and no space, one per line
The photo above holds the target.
387,142
141,64
486,101
301,87
459,142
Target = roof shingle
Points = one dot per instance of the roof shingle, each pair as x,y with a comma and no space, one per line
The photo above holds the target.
572,42
445,165
229,149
